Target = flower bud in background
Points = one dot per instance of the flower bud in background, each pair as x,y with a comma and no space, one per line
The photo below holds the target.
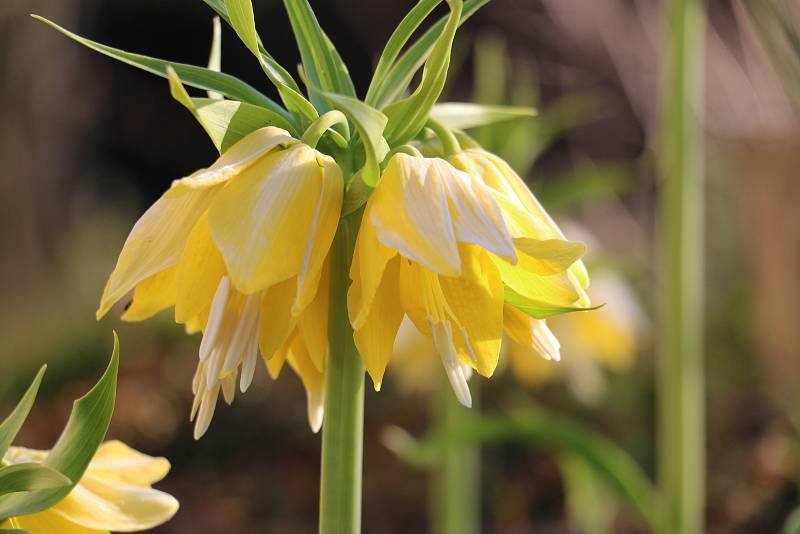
114,494
238,250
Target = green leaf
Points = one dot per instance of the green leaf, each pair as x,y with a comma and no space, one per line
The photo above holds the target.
239,14
29,476
397,41
408,116
321,62
9,428
369,123
588,184
215,54
198,77
74,450
792,524
538,310
610,463
465,115
225,121
590,507
397,79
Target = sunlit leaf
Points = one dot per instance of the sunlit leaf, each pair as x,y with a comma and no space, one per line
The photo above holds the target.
10,427
408,116
199,77
29,476
225,121
85,430
321,62
538,311
465,115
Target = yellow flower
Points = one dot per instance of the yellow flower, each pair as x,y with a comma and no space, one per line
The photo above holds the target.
438,245
114,494
239,250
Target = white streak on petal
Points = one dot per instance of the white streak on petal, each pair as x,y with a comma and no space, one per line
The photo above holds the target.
443,340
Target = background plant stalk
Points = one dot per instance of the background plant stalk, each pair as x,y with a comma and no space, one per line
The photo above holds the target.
343,429
681,405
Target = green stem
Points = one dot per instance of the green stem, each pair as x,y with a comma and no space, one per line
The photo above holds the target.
343,430
455,479
448,139
317,129
681,406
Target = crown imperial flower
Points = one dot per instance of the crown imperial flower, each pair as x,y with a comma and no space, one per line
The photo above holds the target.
239,250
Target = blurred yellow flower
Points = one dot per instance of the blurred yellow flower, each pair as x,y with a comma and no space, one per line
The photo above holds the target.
239,250
441,246
115,494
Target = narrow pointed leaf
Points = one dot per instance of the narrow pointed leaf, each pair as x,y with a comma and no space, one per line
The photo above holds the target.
240,17
397,41
225,121
199,77
10,427
465,115
397,79
215,54
85,430
539,311
408,116
321,62
29,476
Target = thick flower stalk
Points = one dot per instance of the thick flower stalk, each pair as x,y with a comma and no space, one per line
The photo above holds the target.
443,246
238,249
114,494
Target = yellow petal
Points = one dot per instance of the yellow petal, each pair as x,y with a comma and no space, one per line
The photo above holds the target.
153,294
103,504
200,269
313,381
276,319
517,325
550,256
409,209
375,337
239,156
313,322
366,271
260,219
156,240
50,522
278,359
116,461
323,228
548,291
476,300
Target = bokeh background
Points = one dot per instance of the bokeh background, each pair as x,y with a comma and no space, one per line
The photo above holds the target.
86,144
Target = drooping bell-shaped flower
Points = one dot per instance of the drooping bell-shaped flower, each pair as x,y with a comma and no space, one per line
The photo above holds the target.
437,245
114,494
239,250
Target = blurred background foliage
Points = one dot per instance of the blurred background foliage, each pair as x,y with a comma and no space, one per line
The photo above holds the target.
87,143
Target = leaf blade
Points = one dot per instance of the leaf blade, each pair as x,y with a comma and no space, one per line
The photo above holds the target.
29,476
466,115
12,424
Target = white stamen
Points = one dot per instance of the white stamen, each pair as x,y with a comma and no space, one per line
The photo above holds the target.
208,404
242,333
471,352
316,410
215,316
228,383
443,340
545,342
249,362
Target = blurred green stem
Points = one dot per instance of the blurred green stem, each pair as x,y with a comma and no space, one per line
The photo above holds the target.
681,406
343,430
455,478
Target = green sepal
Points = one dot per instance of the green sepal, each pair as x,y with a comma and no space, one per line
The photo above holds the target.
397,79
538,310
322,63
199,77
370,124
409,115
77,445
465,115
29,476
225,121
239,14
9,428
